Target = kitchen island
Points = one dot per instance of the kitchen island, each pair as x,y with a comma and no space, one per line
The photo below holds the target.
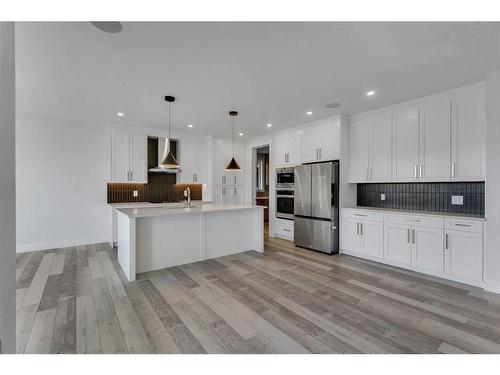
152,238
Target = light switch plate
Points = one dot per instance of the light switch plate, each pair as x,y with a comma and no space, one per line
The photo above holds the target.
136,193
457,200
382,197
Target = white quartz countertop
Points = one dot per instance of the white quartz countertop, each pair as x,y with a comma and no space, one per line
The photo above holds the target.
416,212
170,209
149,204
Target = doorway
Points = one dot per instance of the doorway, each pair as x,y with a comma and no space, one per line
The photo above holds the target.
262,180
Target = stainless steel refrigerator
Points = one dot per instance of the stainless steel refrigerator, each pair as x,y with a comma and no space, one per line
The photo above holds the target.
316,211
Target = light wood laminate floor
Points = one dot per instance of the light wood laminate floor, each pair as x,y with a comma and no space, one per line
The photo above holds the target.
287,300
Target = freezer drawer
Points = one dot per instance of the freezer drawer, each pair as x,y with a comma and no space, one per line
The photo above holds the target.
313,234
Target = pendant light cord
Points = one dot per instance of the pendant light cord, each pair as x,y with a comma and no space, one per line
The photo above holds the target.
169,122
233,136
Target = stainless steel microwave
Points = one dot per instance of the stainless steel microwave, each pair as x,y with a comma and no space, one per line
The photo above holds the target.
285,178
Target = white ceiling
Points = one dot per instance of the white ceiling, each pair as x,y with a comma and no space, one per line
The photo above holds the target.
269,72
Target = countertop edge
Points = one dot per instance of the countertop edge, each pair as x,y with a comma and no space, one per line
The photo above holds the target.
424,213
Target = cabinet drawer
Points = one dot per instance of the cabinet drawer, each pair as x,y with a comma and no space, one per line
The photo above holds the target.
284,228
423,221
362,215
464,225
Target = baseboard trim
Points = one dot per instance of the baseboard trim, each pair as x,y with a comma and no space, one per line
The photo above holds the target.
492,287
39,246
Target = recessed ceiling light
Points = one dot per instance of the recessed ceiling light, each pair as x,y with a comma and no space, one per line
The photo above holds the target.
309,113
240,134
120,114
370,93
269,125
332,105
190,125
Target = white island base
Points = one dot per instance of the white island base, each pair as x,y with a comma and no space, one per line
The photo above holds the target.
155,238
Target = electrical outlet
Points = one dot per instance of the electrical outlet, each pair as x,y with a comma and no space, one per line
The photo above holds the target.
382,197
457,200
136,193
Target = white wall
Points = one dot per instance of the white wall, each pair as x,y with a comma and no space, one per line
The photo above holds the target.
492,197
62,168
7,189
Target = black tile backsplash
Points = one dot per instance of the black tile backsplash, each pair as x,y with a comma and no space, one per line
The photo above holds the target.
422,196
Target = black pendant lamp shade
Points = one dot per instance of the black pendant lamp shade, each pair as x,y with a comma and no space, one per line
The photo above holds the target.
233,165
169,161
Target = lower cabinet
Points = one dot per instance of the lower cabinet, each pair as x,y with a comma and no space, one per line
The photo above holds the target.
284,229
228,194
362,236
442,246
463,255
397,243
427,248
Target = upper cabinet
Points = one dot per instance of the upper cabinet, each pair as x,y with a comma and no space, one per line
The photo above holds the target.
468,137
287,149
436,139
193,160
128,157
370,151
321,142
405,145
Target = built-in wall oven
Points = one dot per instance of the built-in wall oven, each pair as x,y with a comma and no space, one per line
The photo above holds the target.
285,193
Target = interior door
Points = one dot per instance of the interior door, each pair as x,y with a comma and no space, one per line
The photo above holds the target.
321,190
302,181
381,148
435,127
428,248
359,150
405,145
397,243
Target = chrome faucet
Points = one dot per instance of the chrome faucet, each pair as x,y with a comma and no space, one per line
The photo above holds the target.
187,194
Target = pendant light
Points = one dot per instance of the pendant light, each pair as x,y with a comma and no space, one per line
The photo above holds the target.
169,161
233,165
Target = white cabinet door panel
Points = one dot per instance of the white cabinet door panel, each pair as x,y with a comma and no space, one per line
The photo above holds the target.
468,137
435,141
405,145
330,142
428,248
294,147
397,243
138,158
311,144
349,237
381,148
464,255
119,156
186,160
359,150
372,237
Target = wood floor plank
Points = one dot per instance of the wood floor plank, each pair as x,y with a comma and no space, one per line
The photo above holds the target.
40,338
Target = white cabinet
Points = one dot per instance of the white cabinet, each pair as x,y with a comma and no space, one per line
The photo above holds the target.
193,160
228,195
427,248
464,249
284,229
222,154
405,145
370,148
434,145
321,142
362,233
397,243
468,137
287,149
372,238
128,157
